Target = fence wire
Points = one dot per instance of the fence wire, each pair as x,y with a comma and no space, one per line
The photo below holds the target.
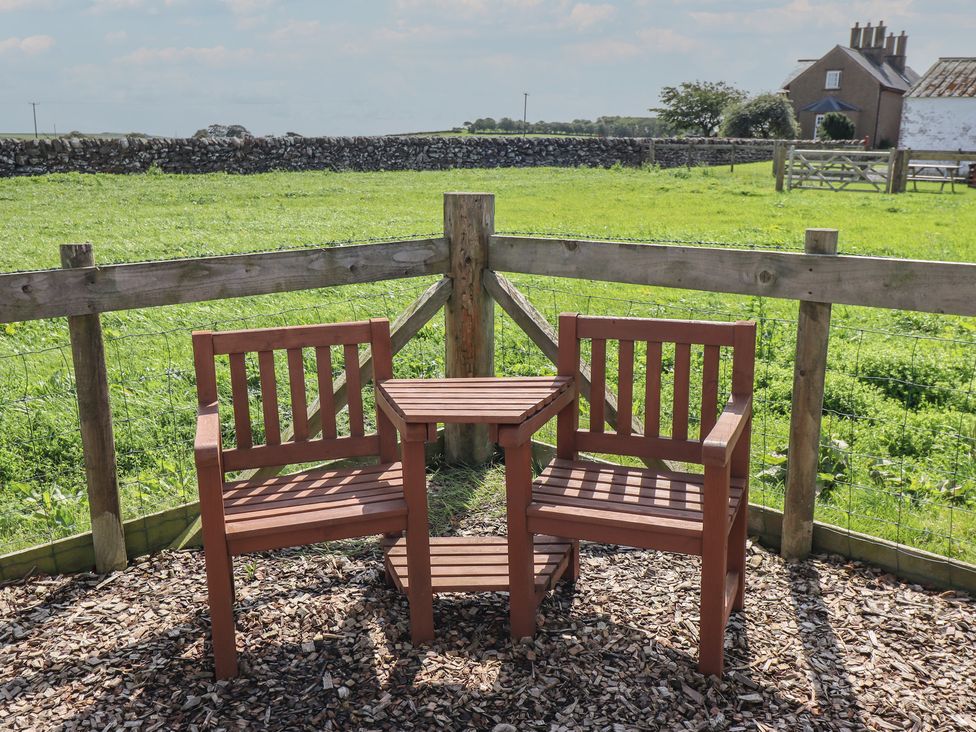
152,387
899,420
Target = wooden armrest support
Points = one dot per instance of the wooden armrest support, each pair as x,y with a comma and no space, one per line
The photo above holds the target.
206,446
721,440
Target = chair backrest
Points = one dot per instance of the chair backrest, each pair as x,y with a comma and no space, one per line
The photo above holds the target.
697,347
318,342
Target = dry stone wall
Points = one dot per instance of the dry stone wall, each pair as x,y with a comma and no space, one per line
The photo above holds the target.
262,154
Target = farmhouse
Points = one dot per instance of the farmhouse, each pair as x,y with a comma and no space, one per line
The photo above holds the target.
865,81
940,108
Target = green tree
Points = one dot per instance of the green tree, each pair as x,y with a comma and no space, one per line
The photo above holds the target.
836,126
697,106
767,115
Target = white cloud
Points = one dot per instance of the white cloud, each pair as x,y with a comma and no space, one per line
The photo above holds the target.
213,56
107,6
585,15
606,50
247,7
116,36
297,30
666,40
805,14
29,45
6,5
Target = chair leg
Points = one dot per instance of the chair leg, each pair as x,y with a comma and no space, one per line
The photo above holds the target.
737,554
419,593
711,634
572,572
220,587
521,570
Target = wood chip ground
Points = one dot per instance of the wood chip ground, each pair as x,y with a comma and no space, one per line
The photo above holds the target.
823,645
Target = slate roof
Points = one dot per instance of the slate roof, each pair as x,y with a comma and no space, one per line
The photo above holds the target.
885,74
948,77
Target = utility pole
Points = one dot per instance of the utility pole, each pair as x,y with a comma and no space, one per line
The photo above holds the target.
34,107
525,113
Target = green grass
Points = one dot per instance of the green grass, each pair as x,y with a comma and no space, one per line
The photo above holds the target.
898,454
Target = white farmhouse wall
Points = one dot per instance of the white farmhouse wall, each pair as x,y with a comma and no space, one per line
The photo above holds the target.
939,123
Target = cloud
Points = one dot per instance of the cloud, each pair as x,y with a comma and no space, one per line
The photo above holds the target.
606,50
28,45
666,40
116,36
6,5
804,14
247,7
584,15
297,30
213,56
107,6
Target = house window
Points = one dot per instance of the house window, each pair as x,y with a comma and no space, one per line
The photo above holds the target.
833,80
816,126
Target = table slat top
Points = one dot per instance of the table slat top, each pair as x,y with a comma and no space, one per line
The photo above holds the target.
500,400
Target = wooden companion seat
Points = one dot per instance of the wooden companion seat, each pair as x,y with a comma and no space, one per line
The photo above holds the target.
692,513
259,514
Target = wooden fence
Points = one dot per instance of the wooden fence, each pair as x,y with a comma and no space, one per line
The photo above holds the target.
472,259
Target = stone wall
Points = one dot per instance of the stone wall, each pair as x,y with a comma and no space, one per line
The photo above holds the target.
262,154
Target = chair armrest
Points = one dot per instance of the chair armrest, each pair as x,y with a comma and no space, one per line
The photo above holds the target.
206,446
721,440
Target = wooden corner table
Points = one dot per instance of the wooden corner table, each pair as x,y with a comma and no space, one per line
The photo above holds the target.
513,408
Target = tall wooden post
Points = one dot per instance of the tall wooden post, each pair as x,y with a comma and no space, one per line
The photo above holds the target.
469,221
898,178
95,415
809,373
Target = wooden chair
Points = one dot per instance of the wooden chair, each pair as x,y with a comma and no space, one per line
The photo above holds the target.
316,505
703,514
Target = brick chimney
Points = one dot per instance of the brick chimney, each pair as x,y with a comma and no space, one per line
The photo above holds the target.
856,35
897,59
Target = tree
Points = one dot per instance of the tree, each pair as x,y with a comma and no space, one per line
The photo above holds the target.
836,126
767,115
696,106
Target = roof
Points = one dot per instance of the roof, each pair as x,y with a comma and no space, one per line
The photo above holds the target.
885,74
948,77
802,65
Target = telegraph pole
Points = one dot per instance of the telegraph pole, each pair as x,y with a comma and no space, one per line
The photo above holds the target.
525,113
34,107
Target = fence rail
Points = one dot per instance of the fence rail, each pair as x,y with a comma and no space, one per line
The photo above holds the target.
472,256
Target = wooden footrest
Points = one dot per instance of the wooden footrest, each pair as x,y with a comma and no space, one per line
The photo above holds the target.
477,563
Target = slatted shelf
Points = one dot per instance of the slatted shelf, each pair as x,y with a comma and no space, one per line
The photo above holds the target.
477,563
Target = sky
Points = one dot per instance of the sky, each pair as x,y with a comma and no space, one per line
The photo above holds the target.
170,67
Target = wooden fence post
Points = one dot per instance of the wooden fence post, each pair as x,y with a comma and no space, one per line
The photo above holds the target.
95,416
899,171
779,164
809,373
469,316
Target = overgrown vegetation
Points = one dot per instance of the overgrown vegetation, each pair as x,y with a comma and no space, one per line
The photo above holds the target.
897,458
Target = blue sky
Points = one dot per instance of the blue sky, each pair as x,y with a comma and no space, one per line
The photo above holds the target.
384,66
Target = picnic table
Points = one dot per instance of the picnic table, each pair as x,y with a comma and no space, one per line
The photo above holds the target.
513,409
933,172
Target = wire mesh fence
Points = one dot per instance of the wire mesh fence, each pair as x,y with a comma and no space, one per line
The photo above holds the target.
898,429
153,393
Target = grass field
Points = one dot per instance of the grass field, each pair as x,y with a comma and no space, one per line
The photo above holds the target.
900,412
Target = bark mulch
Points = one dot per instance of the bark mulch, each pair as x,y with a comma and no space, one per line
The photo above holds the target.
821,645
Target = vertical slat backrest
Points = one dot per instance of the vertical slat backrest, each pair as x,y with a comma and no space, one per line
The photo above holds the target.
280,448
697,351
